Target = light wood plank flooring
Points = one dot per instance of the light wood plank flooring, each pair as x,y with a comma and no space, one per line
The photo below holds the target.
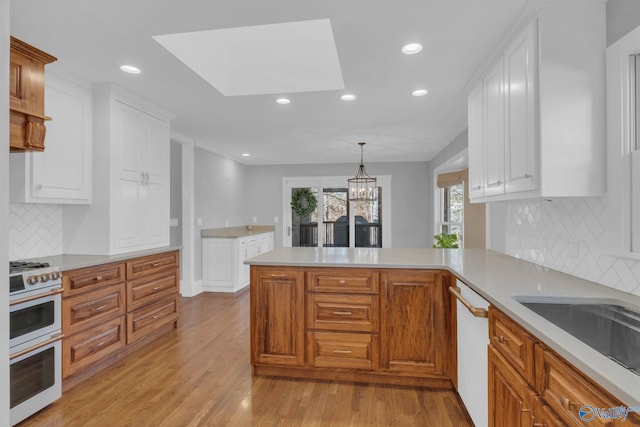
199,375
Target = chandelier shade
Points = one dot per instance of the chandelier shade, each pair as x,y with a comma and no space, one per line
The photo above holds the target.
362,187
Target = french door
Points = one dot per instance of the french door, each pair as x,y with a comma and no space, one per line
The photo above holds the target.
334,221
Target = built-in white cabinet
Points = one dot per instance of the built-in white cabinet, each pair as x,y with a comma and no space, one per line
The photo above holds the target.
62,173
131,175
223,268
537,110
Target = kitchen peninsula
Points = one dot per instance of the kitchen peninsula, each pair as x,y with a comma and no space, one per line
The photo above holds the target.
386,314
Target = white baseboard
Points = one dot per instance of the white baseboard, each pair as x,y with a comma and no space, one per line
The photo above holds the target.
191,289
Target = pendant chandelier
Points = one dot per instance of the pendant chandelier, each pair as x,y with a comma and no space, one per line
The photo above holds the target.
362,187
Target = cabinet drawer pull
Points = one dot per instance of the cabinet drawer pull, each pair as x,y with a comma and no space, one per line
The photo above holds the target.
97,278
278,275
528,176
342,282
342,351
342,313
98,309
155,264
502,339
477,187
100,344
476,311
494,184
157,288
156,316
566,403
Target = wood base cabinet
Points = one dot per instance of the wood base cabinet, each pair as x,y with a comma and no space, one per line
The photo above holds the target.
511,400
277,316
108,308
371,325
531,385
416,311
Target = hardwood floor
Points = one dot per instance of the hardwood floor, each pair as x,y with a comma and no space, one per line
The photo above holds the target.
199,375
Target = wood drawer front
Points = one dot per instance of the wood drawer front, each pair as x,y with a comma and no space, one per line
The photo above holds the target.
85,279
352,313
513,342
566,391
91,346
145,290
92,308
343,280
342,350
139,267
146,320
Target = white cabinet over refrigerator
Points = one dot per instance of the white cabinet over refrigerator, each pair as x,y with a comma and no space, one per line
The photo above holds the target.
130,209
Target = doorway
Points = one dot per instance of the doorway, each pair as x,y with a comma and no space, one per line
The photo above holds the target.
318,214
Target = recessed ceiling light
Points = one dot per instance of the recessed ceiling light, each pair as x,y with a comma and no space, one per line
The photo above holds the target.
348,97
419,92
411,48
246,155
130,69
283,101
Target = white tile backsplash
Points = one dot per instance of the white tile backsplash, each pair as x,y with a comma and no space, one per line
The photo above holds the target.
35,230
568,235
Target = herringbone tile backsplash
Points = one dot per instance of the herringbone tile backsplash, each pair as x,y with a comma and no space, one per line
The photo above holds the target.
568,235
35,230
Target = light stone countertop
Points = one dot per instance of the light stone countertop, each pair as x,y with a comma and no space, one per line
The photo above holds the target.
236,232
68,262
498,278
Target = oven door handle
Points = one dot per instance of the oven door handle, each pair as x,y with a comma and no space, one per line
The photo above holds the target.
35,297
35,347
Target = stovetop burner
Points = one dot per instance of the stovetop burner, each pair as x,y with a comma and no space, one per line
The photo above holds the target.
21,266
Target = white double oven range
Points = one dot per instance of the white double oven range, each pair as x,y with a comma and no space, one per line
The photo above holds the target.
35,300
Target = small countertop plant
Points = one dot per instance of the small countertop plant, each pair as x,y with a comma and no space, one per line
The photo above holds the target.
444,240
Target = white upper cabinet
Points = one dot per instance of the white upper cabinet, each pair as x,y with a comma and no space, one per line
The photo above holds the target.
493,84
476,141
521,154
131,181
546,83
61,173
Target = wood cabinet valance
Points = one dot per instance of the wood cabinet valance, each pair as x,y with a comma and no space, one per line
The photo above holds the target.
26,96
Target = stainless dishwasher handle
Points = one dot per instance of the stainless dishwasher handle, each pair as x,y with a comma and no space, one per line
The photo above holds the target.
476,311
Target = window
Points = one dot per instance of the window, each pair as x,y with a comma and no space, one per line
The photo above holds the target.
453,210
455,214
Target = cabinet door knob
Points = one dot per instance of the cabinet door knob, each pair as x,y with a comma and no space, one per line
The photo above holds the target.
566,403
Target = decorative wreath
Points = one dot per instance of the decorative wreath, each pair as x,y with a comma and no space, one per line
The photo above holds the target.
303,202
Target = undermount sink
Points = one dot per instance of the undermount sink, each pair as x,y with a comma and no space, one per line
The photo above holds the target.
611,327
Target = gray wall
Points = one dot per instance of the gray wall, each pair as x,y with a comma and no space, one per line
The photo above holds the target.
4,208
622,17
461,142
220,194
175,203
410,196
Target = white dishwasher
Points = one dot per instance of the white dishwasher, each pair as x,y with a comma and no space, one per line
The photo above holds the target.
473,339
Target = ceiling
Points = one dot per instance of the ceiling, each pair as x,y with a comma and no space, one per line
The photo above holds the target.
92,38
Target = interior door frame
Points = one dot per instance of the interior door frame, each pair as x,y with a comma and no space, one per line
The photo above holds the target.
322,182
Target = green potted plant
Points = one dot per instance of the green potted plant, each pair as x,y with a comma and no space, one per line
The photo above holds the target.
444,240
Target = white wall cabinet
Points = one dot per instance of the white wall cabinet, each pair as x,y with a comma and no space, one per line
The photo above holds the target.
542,132
131,175
62,173
223,268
